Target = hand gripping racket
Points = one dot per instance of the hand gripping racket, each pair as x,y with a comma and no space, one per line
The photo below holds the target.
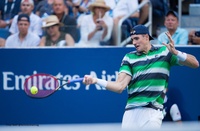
43,85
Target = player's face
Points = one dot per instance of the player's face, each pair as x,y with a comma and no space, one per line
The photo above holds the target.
171,22
140,42
59,6
23,27
26,7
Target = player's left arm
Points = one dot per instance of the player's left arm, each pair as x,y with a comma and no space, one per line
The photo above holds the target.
184,58
190,61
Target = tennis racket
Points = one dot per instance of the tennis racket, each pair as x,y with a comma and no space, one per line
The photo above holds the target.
43,85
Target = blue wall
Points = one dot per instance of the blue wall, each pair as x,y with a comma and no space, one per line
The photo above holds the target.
78,103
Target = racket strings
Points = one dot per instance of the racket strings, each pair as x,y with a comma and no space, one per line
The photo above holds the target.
45,84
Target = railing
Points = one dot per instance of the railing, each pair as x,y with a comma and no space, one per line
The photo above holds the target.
148,24
179,11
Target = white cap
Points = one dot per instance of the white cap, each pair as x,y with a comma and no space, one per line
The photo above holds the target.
29,1
175,113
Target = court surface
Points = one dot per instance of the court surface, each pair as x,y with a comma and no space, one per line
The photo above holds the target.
185,126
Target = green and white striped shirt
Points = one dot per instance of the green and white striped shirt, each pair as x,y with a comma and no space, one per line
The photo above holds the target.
150,74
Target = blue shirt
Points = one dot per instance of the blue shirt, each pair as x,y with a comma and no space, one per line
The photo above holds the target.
180,37
9,8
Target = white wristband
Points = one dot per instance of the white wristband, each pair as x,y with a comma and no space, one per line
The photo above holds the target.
182,56
102,82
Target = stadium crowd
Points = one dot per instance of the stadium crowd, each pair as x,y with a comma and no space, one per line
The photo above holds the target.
82,23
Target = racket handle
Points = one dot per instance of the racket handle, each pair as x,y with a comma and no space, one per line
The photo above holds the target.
75,80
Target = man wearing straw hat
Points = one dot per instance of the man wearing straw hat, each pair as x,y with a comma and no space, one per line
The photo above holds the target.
123,8
96,27
53,35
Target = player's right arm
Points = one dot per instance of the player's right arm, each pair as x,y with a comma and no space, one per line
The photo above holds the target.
116,86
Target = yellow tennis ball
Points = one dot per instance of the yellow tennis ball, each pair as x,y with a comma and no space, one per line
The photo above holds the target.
34,90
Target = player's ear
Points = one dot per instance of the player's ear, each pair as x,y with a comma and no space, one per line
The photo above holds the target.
146,36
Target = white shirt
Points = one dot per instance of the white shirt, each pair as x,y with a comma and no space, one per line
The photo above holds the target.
110,3
31,40
125,7
35,25
75,1
87,25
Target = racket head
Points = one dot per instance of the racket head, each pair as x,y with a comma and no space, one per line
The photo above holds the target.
45,85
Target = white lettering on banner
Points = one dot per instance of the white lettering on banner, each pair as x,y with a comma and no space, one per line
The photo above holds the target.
15,82
6,79
9,78
68,77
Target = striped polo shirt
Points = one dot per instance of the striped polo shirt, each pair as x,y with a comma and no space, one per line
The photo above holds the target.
150,74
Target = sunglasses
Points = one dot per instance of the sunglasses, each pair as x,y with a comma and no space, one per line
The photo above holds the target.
52,26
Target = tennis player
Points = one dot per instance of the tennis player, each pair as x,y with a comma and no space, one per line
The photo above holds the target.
145,73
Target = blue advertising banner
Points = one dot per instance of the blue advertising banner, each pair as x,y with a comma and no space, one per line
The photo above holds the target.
78,103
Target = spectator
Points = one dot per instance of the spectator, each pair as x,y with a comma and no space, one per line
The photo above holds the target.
53,36
70,5
96,27
8,9
179,35
159,10
174,5
70,24
36,2
111,4
2,42
81,8
194,37
123,8
23,38
44,8
27,7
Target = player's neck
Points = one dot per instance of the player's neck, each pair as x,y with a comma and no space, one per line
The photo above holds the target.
147,48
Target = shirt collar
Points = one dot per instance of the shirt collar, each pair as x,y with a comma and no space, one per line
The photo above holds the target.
153,48
177,30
